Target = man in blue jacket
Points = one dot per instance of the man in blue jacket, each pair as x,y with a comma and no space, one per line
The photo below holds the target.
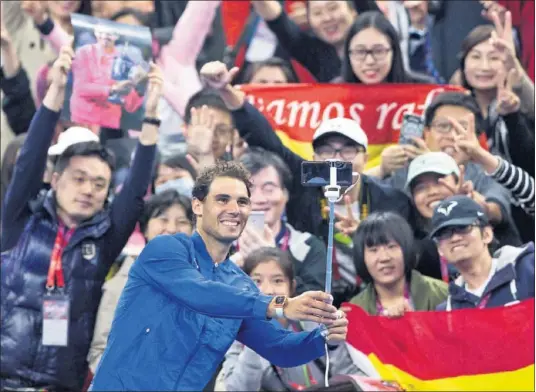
58,246
185,302
463,233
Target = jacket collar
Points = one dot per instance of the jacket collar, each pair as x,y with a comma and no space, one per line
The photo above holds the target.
502,276
205,262
418,291
94,227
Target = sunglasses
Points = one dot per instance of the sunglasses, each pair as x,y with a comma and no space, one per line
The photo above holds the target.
448,232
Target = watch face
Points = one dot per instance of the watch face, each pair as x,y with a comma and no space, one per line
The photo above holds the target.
280,300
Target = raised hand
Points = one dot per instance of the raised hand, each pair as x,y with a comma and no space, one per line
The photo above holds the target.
419,148
154,90
507,101
35,9
393,158
199,134
466,139
462,187
346,223
502,40
298,14
311,306
216,75
61,67
5,38
251,240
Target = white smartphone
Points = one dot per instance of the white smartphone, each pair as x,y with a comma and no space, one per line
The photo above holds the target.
256,221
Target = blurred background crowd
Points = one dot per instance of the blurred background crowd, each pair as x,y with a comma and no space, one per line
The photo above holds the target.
127,186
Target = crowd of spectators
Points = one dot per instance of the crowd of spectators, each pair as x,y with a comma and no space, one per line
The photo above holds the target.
444,223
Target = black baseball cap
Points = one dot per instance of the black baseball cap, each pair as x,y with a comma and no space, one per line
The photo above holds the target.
457,211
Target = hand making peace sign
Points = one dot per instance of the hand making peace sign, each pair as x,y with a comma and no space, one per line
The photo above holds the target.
346,224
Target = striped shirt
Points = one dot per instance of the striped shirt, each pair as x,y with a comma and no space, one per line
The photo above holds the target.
518,182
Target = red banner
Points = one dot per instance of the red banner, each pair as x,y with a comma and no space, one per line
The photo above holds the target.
295,111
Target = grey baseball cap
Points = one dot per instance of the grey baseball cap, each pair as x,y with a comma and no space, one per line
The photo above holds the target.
431,162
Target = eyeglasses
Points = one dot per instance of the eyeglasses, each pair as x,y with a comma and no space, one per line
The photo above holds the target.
223,130
267,190
448,232
347,153
444,126
378,53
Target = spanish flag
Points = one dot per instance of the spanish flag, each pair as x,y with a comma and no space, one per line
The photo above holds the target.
463,350
296,110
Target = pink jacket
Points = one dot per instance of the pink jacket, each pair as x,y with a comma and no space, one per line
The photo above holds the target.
92,68
177,58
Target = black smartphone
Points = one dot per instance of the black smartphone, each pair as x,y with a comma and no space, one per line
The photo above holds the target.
412,126
317,174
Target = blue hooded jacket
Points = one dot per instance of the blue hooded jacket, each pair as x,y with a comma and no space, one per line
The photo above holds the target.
178,315
513,281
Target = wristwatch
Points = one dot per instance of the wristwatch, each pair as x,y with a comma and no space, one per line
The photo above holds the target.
280,302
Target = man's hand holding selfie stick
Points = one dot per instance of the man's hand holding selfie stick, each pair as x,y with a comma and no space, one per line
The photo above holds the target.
312,306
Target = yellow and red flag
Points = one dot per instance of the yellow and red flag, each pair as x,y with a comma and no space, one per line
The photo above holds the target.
296,110
464,350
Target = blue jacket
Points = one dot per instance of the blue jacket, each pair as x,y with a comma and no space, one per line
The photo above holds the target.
29,227
178,315
513,281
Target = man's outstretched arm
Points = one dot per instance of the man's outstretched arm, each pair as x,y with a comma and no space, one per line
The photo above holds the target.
279,346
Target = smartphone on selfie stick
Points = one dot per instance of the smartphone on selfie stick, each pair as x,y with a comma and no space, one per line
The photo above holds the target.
332,175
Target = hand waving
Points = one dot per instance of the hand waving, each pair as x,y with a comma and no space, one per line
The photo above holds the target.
199,134
216,75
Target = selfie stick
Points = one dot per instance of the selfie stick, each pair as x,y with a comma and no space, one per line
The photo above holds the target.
332,194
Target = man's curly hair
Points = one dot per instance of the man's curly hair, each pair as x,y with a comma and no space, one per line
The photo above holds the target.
230,169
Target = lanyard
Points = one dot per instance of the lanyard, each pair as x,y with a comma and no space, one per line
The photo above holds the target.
379,307
55,271
444,269
484,301
284,241
307,376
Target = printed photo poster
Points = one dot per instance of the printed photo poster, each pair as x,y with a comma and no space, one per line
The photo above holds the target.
108,77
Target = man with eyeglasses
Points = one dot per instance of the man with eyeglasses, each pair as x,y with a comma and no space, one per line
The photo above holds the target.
447,113
462,231
339,138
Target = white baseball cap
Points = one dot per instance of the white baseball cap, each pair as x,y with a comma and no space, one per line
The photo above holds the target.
342,126
412,3
431,162
72,136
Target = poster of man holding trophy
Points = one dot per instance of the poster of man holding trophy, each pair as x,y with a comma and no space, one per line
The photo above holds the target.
109,73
